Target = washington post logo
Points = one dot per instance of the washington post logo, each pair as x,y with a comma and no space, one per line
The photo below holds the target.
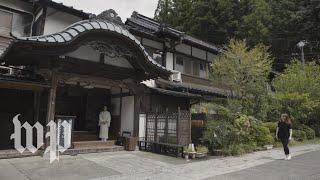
55,147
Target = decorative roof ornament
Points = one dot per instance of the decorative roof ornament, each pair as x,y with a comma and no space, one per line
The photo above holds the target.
109,15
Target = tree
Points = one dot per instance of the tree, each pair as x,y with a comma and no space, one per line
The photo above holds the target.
246,72
297,89
278,24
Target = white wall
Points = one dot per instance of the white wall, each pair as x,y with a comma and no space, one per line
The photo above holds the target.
121,62
57,21
151,43
17,5
185,49
127,114
169,61
87,53
201,54
211,57
142,126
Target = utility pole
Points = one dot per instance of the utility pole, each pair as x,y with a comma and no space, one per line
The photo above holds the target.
301,45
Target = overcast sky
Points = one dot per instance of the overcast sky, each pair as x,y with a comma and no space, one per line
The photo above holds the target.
123,7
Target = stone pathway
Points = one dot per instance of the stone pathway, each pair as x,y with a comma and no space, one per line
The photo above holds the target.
136,166
196,170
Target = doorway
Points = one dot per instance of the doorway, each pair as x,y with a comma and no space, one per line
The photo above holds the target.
85,105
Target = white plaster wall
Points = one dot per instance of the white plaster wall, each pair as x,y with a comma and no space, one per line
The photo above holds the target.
150,83
169,61
87,53
211,57
151,43
199,53
57,21
203,74
142,126
17,5
127,114
121,62
185,49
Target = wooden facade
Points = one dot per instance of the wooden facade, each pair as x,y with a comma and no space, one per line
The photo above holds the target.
73,66
69,84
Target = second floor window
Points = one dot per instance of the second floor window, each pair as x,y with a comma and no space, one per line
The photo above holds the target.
5,23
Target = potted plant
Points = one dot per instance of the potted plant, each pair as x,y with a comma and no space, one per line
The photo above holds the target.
189,152
202,151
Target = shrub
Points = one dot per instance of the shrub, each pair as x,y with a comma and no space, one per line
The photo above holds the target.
310,133
272,126
263,136
218,135
239,149
299,135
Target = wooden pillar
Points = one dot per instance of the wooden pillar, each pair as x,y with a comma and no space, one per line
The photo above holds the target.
120,115
51,101
190,128
37,96
178,126
146,132
166,131
137,99
156,127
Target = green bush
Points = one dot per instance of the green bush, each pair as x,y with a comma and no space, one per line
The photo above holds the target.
272,126
239,149
218,135
309,132
299,135
263,136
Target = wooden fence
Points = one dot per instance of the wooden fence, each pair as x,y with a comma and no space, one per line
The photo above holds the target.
169,127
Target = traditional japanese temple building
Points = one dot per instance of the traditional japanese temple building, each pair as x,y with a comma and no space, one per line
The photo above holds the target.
59,61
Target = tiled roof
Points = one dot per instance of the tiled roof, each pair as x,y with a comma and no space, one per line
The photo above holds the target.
175,93
196,89
73,31
69,9
151,26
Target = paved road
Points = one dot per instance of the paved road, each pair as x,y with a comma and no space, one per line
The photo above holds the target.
303,167
262,165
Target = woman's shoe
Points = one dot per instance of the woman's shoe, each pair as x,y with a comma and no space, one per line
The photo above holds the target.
289,157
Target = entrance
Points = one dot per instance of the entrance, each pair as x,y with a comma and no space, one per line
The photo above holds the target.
85,104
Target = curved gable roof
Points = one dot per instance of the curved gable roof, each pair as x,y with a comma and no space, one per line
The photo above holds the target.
76,31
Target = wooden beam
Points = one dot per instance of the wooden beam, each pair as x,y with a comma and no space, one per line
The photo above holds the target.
121,95
70,77
137,99
120,111
51,101
6,84
37,99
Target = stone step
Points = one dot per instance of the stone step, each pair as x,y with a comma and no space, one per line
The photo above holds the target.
93,144
84,136
84,150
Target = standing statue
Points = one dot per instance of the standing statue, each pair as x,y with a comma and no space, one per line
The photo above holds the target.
104,123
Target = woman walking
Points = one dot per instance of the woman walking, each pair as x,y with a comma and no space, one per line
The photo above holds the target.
284,133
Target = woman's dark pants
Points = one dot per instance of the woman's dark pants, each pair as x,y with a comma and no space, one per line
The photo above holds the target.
285,142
